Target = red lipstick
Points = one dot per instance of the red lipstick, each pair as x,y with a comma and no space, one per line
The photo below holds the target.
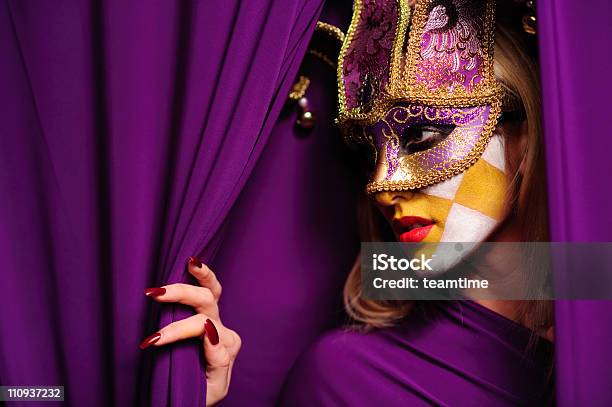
413,228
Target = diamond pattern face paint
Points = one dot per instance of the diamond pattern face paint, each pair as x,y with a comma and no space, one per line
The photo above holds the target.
464,208
475,198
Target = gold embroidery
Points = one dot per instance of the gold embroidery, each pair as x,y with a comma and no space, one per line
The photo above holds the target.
402,85
357,8
323,57
486,90
330,29
422,176
299,88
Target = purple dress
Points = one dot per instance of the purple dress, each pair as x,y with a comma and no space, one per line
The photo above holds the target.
450,353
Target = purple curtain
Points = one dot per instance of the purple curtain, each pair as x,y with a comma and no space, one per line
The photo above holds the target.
288,245
576,84
127,130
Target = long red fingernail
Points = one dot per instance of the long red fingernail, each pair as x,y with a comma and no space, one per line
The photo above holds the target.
211,331
155,291
194,261
149,340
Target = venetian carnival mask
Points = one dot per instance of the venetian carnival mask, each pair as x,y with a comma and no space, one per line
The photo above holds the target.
416,86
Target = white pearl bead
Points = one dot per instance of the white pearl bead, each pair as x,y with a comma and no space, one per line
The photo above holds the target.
303,103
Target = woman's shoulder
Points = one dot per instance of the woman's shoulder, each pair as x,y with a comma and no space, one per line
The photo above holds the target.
469,349
338,346
349,347
338,368
344,338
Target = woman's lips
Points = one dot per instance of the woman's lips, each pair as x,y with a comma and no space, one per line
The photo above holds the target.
415,228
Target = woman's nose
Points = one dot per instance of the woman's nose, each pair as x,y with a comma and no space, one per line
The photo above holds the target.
390,198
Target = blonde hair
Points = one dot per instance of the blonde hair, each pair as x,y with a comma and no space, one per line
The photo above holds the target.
516,69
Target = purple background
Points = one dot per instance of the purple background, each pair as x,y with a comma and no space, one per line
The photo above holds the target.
128,130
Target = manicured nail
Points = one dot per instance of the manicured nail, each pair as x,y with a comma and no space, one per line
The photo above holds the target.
211,331
155,291
194,261
149,340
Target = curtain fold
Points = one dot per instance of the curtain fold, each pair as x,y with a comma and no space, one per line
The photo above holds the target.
127,130
289,243
575,82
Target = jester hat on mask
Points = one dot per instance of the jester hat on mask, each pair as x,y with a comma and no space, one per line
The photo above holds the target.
402,68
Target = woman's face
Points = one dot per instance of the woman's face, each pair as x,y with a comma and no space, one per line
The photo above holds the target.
464,208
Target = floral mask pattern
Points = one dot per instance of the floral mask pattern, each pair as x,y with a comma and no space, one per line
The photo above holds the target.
403,72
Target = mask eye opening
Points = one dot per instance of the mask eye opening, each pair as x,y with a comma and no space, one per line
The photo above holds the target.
423,136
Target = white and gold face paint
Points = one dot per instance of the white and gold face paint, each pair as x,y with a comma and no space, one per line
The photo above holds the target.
465,208
472,202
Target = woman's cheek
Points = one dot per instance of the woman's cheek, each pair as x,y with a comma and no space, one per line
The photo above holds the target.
438,209
483,189
467,207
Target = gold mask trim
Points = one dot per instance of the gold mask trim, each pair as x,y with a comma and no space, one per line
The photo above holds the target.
425,177
402,85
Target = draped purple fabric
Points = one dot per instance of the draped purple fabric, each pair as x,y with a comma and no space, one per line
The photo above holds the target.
127,130
426,360
288,245
575,68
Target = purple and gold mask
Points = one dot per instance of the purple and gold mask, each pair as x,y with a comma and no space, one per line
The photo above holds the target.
417,85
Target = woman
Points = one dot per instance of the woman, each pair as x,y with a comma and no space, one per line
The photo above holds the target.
425,107
453,131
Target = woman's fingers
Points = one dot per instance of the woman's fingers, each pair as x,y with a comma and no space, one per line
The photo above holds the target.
221,345
190,327
219,363
200,298
204,275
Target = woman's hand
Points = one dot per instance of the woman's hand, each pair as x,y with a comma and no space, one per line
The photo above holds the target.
221,345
